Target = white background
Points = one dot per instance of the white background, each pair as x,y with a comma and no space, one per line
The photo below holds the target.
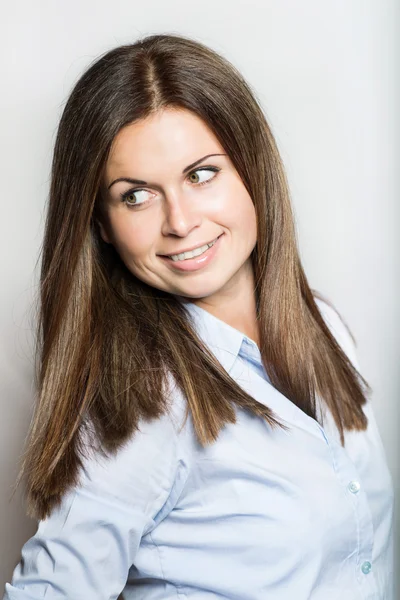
327,75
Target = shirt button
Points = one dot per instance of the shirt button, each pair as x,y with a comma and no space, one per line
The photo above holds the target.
366,567
354,487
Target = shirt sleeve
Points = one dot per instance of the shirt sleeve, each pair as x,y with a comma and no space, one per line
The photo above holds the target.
85,548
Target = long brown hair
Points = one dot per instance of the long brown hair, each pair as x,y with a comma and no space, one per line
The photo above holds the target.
106,341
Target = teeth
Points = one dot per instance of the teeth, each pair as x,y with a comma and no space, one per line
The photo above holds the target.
192,253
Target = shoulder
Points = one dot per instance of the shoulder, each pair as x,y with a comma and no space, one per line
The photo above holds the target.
339,328
141,473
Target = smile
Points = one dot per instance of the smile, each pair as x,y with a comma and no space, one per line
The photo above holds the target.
194,260
192,253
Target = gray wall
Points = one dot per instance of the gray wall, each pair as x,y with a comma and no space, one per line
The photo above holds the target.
327,76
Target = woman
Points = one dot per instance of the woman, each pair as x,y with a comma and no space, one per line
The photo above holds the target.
202,429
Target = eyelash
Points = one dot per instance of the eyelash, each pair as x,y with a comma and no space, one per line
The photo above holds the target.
125,195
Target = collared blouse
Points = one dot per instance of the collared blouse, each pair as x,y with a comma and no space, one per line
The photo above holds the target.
260,514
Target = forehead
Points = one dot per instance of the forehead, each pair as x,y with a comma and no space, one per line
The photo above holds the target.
169,137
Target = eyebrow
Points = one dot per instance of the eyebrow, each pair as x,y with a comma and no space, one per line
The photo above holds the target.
185,170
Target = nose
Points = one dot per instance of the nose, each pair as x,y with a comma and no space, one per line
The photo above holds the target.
181,215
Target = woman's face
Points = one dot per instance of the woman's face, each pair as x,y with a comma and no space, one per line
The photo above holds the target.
187,194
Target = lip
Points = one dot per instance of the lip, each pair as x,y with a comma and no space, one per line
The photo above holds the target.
196,263
190,249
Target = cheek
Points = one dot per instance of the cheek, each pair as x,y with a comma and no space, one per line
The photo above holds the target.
131,237
240,211
251,219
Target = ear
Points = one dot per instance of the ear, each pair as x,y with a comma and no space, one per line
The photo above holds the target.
103,232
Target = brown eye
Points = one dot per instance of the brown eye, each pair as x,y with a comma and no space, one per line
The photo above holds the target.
194,177
133,198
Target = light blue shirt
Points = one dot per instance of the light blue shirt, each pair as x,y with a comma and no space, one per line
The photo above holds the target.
260,514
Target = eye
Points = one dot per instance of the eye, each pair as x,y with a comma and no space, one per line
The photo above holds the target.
133,197
193,176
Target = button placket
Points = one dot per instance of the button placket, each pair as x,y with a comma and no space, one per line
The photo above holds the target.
366,567
354,487
347,474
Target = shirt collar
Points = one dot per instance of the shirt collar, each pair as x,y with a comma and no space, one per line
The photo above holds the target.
224,341
227,343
